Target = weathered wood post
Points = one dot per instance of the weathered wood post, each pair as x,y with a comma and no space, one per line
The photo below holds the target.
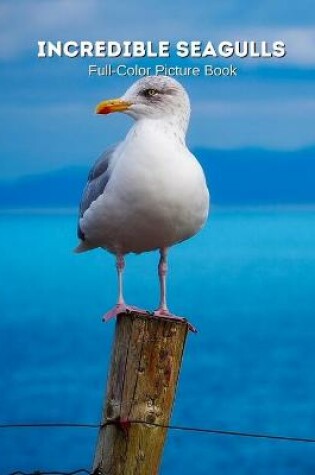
146,361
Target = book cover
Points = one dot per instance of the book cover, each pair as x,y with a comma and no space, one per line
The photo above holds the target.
216,96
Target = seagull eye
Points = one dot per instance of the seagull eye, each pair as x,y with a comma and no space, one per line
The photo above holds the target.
150,92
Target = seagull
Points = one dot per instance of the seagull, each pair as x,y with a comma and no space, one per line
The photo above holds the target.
148,192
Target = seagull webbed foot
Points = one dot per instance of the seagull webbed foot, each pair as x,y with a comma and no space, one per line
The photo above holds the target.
122,308
165,313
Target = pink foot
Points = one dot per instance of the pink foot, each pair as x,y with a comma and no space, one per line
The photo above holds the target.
162,312
121,308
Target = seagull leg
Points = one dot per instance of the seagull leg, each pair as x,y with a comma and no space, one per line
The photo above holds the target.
120,266
163,310
162,271
120,306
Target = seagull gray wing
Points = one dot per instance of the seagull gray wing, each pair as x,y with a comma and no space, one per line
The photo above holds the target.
98,178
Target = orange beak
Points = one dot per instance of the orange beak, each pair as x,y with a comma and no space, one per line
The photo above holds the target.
113,105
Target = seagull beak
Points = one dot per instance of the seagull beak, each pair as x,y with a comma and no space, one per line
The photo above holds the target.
113,105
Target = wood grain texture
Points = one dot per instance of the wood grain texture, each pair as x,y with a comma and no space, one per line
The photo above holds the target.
142,381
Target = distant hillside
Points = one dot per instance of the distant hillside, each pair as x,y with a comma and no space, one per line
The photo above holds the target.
238,177
260,177
61,188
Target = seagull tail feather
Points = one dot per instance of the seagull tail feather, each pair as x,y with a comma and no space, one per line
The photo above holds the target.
83,246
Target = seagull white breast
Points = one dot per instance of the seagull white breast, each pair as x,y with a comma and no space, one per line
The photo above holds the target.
155,192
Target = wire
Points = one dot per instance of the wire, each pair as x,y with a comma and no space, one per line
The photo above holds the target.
43,425
56,472
230,432
79,425
254,435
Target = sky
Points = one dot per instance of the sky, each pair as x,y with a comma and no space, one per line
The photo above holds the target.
47,105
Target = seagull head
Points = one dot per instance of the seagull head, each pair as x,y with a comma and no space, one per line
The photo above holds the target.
152,97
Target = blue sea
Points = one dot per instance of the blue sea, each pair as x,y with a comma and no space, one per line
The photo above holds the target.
247,282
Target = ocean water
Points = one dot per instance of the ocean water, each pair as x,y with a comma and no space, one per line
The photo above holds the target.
247,283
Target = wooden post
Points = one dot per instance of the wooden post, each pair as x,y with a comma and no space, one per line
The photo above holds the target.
141,386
